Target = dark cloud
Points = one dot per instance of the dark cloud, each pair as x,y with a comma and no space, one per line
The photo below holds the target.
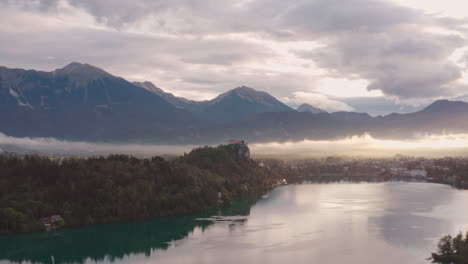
115,13
400,63
388,45
331,16
40,5
185,64
173,16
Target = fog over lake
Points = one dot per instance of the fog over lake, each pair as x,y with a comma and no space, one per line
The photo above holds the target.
365,145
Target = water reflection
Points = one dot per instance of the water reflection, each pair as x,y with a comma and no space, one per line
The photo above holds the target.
110,243
382,223
402,223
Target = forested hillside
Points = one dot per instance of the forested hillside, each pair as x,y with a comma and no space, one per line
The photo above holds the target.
122,188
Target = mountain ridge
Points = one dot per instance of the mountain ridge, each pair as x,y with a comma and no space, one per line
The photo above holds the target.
83,102
309,108
179,102
230,106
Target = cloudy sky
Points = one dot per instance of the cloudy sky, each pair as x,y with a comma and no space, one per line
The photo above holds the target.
362,55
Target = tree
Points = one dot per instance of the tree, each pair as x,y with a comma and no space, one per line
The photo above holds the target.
452,250
122,188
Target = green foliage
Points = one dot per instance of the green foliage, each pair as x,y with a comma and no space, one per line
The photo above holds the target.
121,188
452,250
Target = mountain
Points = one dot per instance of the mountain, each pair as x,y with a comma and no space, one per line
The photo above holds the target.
446,106
351,116
81,101
442,116
438,118
240,103
310,109
232,106
179,102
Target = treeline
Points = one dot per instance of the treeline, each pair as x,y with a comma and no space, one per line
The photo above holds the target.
121,188
452,250
115,241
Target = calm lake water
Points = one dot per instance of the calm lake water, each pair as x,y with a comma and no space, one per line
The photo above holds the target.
308,223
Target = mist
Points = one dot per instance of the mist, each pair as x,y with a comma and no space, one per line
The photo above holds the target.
367,146
63,147
364,145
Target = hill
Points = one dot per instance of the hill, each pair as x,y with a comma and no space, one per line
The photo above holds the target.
121,188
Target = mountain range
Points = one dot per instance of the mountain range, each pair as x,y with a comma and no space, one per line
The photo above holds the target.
234,105
83,102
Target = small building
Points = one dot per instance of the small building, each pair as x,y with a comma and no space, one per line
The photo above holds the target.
52,222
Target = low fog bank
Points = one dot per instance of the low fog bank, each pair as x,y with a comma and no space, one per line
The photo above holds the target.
74,148
365,146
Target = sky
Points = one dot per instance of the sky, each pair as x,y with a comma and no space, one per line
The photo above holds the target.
371,56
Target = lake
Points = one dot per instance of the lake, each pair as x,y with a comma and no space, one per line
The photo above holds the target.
393,222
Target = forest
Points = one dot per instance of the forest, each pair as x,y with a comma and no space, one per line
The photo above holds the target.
122,188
